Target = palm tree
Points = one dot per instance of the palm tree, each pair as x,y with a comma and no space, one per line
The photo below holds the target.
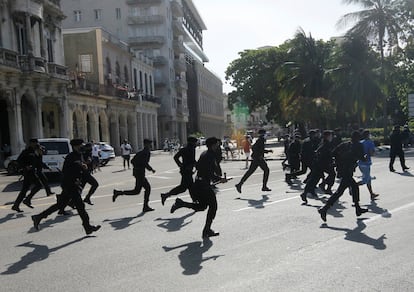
380,22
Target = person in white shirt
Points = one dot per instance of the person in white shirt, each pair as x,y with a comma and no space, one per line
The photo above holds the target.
126,152
95,156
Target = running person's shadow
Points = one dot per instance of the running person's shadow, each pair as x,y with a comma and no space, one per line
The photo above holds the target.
122,223
191,257
37,254
357,235
258,204
174,224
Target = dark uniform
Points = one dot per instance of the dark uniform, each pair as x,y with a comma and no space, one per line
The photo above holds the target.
397,149
202,191
186,165
28,161
257,161
323,163
294,151
140,162
346,156
72,173
87,175
307,155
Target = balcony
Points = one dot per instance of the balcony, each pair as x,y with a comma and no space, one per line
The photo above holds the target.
136,2
177,8
159,61
32,64
145,19
34,8
180,65
9,59
146,41
151,98
53,7
57,71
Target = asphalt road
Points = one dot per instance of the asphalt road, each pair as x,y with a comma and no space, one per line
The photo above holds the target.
268,241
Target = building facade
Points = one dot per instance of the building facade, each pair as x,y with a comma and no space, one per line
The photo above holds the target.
170,32
33,78
104,102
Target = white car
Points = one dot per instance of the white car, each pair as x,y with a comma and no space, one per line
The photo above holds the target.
106,153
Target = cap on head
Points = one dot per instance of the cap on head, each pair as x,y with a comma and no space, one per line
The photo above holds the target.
76,142
327,133
262,132
147,141
33,140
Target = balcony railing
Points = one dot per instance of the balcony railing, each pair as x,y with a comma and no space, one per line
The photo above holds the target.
57,71
159,61
9,58
147,40
144,19
35,7
134,2
28,64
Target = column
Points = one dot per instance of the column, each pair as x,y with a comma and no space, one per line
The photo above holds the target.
114,126
139,131
17,133
38,118
42,39
132,129
64,118
29,35
156,131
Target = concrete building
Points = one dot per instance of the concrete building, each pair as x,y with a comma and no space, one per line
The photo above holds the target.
104,102
170,32
33,78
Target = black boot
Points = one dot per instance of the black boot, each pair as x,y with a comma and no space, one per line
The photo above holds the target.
115,195
91,228
209,233
36,221
322,211
178,204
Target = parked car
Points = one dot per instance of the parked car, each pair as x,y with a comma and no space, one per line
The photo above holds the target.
55,151
106,153
11,164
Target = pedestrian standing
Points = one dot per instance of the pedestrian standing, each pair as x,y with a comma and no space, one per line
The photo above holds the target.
259,151
247,145
185,159
27,161
95,156
346,156
72,172
396,139
140,162
365,165
126,152
202,192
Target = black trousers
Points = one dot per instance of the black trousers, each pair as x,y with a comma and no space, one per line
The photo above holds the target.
73,195
140,182
88,178
30,179
204,197
253,166
347,181
393,155
186,183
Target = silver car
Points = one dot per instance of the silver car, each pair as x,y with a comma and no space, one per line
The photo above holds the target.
106,153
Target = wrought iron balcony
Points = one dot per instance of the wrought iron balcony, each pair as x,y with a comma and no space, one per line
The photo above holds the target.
146,40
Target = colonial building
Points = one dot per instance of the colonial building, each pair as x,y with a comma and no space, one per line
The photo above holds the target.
33,78
170,32
104,102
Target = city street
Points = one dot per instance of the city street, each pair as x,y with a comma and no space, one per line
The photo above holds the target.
268,241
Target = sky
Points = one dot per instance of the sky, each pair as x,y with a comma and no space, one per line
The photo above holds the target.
236,25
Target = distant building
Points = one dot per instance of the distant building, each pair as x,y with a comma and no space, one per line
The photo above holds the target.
103,100
33,78
170,32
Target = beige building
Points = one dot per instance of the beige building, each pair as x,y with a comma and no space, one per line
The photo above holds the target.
104,102
170,32
33,78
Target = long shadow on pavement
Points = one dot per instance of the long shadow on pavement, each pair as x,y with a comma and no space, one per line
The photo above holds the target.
258,204
11,216
52,222
358,236
39,253
191,257
122,223
174,224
